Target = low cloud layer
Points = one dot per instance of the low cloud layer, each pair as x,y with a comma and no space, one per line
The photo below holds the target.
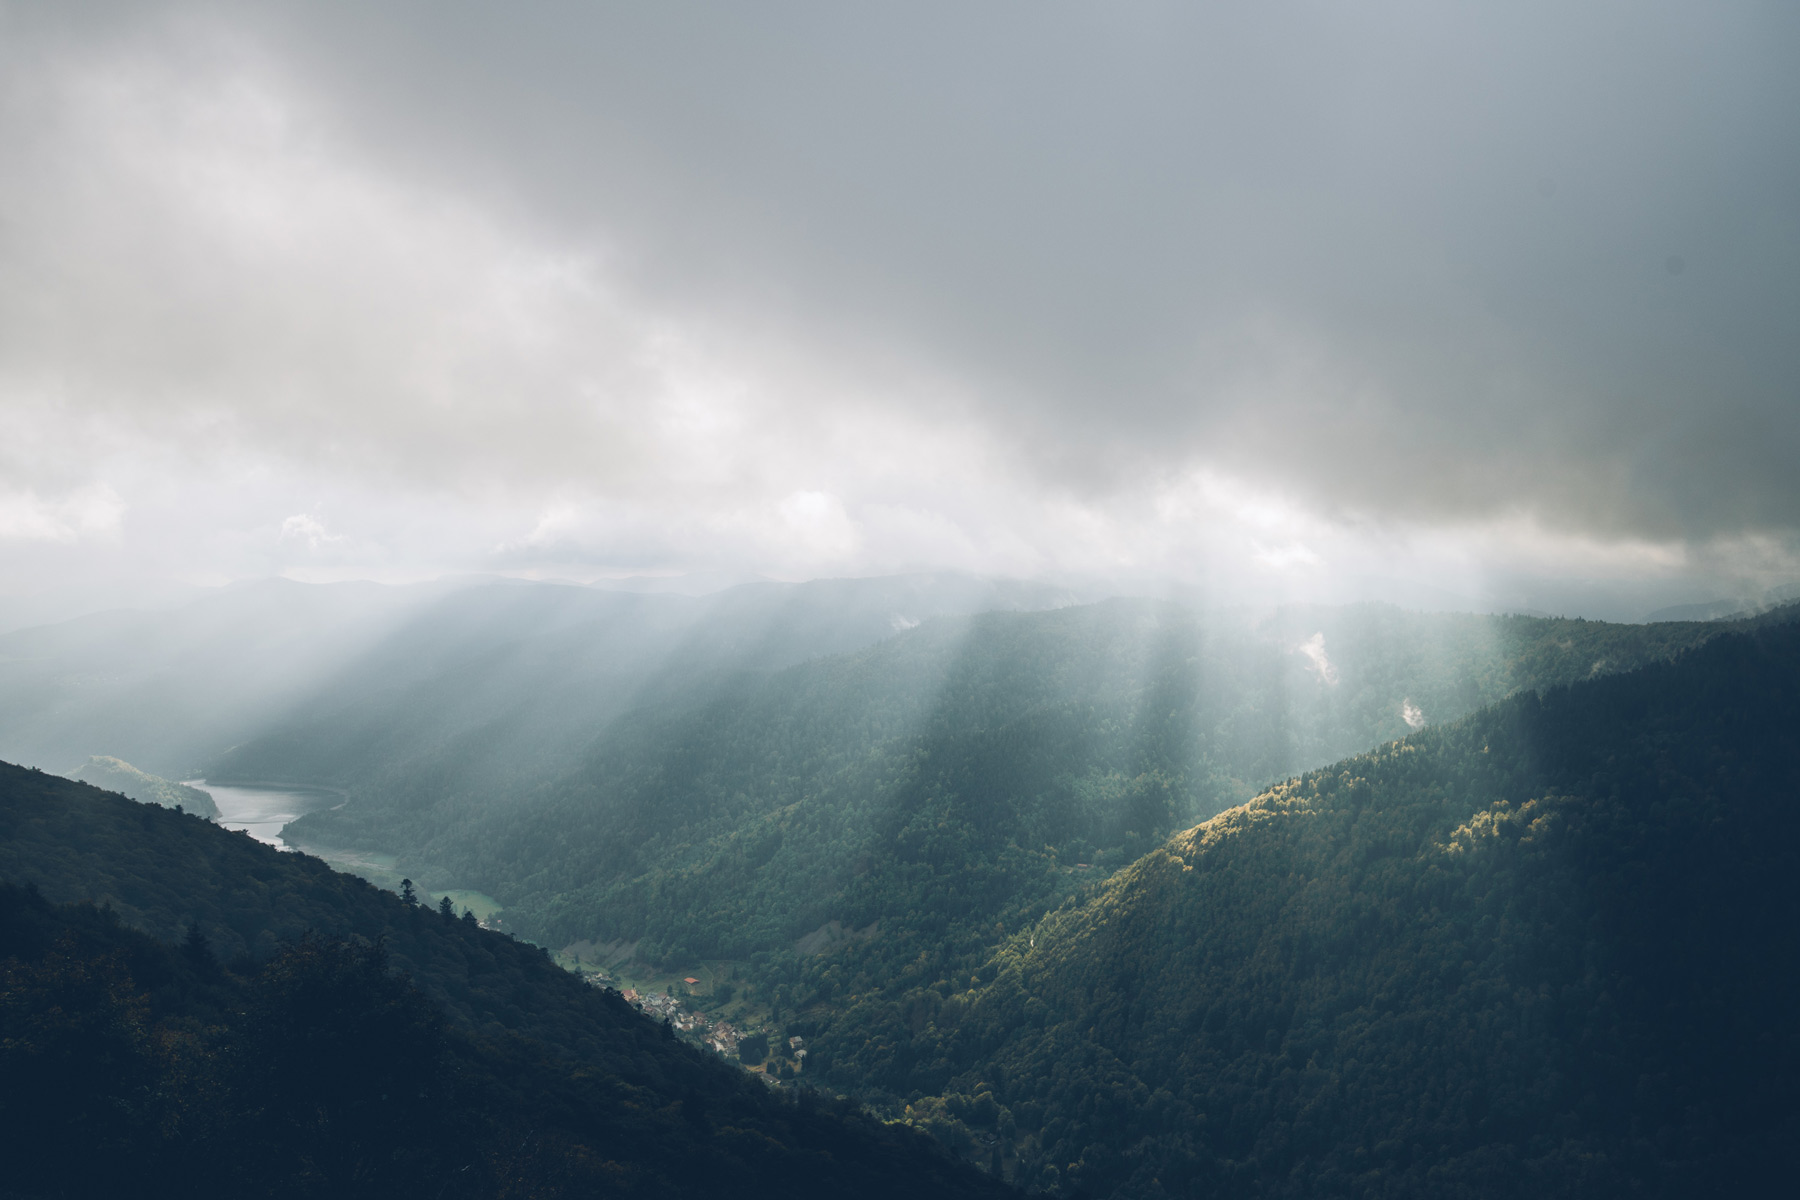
1278,302
1314,650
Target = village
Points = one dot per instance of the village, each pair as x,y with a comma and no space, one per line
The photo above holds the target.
719,1034
700,1006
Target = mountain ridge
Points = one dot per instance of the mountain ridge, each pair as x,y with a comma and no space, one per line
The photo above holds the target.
1545,950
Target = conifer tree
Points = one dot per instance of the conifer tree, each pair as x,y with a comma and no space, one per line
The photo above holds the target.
196,948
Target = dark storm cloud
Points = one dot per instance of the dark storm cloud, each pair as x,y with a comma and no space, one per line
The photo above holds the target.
826,287
1537,257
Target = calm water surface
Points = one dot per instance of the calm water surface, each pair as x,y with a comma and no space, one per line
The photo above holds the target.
263,811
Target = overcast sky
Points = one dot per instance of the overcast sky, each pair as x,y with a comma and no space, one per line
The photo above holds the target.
1276,298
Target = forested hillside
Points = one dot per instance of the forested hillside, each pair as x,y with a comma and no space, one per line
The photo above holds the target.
164,872
1547,950
954,776
926,799
131,1065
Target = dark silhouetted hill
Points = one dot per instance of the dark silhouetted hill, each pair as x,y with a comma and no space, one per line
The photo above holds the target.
260,1044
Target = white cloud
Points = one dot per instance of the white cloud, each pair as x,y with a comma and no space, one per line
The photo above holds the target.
1294,554
303,527
25,516
818,524
1409,712
1314,650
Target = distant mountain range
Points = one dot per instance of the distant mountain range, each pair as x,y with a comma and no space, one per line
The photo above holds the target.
358,682
1728,608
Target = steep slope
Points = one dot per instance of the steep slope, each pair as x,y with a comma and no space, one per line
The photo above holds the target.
1545,951
162,872
308,1070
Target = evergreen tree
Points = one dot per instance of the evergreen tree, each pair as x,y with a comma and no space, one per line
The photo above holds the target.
196,948
407,893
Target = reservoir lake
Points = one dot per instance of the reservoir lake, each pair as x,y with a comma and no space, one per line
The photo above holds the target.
262,811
